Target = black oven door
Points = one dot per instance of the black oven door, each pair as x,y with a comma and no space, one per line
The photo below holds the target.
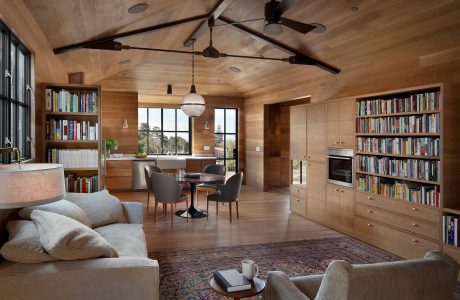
340,170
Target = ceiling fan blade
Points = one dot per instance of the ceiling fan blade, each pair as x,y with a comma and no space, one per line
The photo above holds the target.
297,26
108,45
285,5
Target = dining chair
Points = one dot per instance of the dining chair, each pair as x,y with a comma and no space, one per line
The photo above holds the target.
210,187
228,192
148,170
167,190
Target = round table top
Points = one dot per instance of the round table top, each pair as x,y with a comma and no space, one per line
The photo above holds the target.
257,287
203,178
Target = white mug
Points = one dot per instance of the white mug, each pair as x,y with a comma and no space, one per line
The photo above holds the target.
249,269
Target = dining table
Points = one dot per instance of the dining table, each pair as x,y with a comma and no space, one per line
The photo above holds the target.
193,179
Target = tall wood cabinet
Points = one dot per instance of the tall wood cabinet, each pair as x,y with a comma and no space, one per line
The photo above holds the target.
341,123
340,207
316,132
298,132
316,191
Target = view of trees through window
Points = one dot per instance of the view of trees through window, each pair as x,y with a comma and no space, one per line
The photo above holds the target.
164,131
226,137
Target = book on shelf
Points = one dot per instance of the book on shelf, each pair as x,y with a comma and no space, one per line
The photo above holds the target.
73,158
423,146
75,101
416,102
426,123
450,230
81,184
71,130
232,280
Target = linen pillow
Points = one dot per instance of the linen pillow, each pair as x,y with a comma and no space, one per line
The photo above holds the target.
100,207
24,244
62,207
67,239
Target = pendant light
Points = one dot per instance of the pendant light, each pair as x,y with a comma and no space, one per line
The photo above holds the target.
193,104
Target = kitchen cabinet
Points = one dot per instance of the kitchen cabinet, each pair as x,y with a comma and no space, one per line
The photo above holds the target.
316,132
341,123
298,132
339,207
316,191
118,175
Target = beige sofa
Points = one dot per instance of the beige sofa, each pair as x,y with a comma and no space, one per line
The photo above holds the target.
433,277
131,276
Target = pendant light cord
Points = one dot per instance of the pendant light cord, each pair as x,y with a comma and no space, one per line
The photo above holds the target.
193,63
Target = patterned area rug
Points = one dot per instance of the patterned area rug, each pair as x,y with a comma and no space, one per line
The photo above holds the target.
184,273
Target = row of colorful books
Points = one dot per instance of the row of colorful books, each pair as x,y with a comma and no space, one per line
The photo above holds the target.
426,123
412,103
73,158
75,101
81,184
450,230
399,189
429,170
72,130
425,146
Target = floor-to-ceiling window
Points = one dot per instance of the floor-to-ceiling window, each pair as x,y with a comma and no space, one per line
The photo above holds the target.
226,137
15,95
164,131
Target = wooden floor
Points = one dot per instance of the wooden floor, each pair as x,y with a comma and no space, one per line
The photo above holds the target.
264,217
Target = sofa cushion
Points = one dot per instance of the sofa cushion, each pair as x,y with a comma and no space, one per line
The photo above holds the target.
24,244
67,239
127,239
62,207
100,207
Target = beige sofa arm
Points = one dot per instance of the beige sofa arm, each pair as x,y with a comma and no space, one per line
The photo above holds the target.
134,211
102,278
279,287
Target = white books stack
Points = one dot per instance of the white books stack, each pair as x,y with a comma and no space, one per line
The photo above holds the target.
81,158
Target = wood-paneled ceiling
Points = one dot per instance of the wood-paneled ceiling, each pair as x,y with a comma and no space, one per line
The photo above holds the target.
352,40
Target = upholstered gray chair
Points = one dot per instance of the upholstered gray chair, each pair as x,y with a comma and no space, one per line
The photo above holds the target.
228,192
210,187
167,190
433,277
148,170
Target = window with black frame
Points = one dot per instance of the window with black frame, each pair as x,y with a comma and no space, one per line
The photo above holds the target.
164,131
15,95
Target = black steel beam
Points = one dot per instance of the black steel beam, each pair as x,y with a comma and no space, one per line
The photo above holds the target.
88,44
216,11
297,57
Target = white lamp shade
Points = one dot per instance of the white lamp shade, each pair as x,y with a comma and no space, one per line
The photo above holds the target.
24,185
193,105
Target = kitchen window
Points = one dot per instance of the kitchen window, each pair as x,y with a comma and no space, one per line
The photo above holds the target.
164,131
15,95
226,138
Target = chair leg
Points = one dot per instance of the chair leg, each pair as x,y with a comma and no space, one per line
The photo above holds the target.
148,200
186,205
237,212
217,207
172,215
165,208
207,209
155,212
230,211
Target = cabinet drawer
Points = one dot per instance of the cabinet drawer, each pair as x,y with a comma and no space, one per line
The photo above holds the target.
297,191
299,205
429,230
398,206
118,183
392,240
119,168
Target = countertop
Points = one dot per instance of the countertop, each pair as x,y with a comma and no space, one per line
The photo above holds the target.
160,157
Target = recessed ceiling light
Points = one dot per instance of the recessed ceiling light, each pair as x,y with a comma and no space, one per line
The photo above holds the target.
319,28
354,8
138,8
124,62
235,69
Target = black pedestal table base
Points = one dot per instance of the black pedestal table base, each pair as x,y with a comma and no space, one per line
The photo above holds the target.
191,212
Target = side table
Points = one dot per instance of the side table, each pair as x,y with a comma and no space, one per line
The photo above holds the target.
257,287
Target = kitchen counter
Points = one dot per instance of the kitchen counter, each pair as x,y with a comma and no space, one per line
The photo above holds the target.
160,157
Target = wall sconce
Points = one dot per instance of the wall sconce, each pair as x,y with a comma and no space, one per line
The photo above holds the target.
125,123
169,89
206,125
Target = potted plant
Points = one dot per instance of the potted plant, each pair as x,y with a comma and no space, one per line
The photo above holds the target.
110,145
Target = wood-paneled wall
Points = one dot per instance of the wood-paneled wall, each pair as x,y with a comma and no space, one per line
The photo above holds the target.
117,106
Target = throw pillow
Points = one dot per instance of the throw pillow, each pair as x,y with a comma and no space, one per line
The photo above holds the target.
67,239
24,244
62,207
100,207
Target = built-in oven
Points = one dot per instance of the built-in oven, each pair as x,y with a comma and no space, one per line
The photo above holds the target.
340,166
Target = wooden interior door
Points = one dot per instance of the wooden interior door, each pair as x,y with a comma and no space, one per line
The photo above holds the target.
298,132
316,132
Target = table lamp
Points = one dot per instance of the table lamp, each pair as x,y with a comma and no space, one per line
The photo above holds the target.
24,185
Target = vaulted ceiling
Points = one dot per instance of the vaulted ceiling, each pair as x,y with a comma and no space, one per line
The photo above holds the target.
351,40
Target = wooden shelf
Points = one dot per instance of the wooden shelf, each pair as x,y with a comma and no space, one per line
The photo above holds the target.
399,155
398,134
72,141
455,211
399,114
451,247
95,169
399,178
79,114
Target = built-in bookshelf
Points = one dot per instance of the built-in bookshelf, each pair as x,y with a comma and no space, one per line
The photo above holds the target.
72,133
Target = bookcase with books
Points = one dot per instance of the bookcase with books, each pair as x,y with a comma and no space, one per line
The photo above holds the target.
72,133
400,172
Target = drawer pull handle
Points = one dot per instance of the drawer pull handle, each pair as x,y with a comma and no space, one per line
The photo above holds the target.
298,190
414,209
368,224
336,142
341,143
336,190
341,191
370,198
415,241
370,211
297,200
414,225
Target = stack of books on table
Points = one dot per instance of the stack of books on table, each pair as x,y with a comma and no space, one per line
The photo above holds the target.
232,280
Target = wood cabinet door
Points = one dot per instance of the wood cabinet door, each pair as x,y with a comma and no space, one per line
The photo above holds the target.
298,132
333,124
316,132
347,123
316,191
333,205
346,210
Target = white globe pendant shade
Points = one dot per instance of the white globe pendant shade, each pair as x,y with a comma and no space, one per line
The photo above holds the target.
193,104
